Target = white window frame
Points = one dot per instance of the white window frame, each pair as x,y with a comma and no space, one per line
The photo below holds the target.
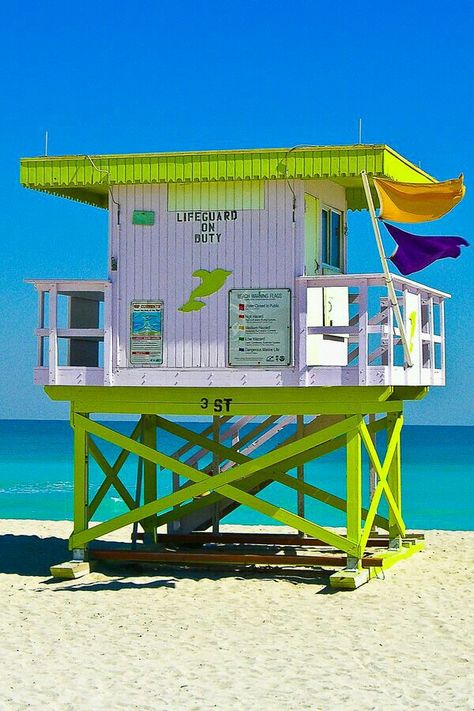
329,268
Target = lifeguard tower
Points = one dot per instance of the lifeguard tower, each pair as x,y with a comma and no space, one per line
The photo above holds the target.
227,298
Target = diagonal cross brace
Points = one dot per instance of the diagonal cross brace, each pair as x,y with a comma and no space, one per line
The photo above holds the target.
199,440
284,457
111,474
188,508
324,496
382,486
111,479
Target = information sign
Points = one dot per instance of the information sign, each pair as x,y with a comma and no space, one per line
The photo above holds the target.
146,332
143,217
259,327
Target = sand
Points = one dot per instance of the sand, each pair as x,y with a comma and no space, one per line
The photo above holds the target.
136,638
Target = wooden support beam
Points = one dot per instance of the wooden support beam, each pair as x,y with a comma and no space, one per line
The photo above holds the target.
392,447
245,401
259,481
111,479
71,569
300,470
372,474
111,472
202,538
189,445
199,517
229,483
285,457
354,493
324,496
81,478
215,470
382,472
190,558
394,482
150,484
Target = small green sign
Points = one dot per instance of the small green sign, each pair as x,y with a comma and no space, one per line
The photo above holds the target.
143,217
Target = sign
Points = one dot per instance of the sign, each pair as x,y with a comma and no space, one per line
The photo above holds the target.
259,327
208,227
143,217
146,332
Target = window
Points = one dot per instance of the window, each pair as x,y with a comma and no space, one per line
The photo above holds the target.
324,236
331,238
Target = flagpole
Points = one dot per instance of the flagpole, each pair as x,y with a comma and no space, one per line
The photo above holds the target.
388,277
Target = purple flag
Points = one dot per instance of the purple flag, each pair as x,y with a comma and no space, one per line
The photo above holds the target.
415,252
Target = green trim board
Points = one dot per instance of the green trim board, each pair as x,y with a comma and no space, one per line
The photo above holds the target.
228,195
88,179
234,401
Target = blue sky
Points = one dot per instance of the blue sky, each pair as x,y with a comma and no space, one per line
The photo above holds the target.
154,76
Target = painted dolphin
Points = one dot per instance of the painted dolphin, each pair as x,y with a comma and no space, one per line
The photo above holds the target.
210,283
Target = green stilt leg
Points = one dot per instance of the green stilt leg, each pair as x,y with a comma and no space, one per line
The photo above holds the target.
150,488
215,470
394,483
81,484
300,471
354,493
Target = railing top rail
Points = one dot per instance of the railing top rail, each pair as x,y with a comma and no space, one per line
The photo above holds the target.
371,279
64,285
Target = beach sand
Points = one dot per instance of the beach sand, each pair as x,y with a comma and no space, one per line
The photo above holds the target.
136,638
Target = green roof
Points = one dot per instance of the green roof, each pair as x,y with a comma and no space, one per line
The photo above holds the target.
88,178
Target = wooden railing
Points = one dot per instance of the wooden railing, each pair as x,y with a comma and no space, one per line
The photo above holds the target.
347,333
344,334
71,335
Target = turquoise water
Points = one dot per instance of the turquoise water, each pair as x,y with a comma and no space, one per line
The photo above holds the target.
438,476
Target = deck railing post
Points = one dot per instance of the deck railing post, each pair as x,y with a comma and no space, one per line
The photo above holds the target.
418,341
432,343
363,332
108,373
443,345
39,344
53,334
301,337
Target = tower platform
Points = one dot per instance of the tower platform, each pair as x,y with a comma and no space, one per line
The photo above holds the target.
241,444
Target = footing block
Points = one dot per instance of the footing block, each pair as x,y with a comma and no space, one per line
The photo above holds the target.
349,579
71,569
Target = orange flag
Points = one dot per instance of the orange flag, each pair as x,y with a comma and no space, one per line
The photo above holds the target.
418,202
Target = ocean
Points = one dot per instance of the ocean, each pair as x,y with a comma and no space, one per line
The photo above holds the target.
36,476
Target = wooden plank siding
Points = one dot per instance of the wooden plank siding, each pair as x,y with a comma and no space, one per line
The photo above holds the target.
157,262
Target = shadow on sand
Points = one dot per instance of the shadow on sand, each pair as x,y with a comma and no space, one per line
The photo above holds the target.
33,556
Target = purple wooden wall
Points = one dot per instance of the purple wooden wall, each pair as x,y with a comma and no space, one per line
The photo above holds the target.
263,248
